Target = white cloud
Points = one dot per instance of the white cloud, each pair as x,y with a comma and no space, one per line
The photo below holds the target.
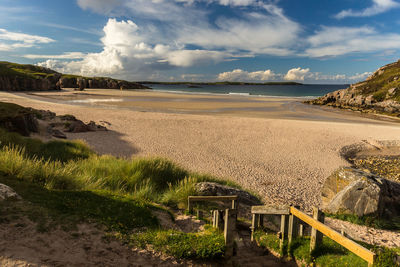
335,41
13,40
66,55
378,7
241,75
296,74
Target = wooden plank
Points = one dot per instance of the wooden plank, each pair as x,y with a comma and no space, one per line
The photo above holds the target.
360,251
211,198
271,210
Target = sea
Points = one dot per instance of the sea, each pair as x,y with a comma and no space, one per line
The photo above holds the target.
301,91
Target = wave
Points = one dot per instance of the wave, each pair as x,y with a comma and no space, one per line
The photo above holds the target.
92,100
244,94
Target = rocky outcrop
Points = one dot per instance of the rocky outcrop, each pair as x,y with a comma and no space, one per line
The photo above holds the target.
14,83
17,119
380,93
98,83
351,191
214,189
7,193
25,77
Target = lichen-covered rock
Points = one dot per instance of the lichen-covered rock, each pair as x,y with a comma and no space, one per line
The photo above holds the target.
352,191
7,192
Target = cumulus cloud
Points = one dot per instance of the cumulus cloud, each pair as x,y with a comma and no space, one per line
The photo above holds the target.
12,40
335,41
296,74
66,55
378,7
241,75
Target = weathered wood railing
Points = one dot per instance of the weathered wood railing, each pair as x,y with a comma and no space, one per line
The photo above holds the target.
192,199
316,222
223,219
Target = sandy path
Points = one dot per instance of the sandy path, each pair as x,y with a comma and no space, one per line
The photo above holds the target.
285,161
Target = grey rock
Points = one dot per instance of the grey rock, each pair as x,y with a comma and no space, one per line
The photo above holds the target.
58,134
7,192
78,127
352,191
214,189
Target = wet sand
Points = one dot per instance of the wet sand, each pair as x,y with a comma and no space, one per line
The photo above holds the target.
277,147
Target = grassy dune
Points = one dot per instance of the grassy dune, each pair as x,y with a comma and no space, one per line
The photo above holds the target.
66,183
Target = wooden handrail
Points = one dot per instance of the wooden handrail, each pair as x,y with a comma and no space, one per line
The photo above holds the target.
360,251
212,198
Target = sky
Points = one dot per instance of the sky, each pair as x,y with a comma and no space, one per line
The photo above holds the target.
309,41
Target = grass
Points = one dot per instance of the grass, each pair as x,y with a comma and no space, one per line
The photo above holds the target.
67,183
329,254
208,244
116,212
370,221
25,70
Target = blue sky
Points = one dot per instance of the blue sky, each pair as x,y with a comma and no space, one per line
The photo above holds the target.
319,41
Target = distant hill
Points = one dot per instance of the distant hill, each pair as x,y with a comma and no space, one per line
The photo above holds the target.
22,77
222,83
378,93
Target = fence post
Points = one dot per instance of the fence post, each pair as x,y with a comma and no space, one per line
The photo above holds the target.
230,226
316,236
253,226
190,208
199,214
293,227
301,229
283,233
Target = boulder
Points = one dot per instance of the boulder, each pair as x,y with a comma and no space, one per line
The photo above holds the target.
7,192
351,191
58,134
23,123
214,189
78,127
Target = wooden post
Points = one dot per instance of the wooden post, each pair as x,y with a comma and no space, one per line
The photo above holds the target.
293,228
260,221
219,219
283,232
230,226
190,208
253,226
316,236
301,229
199,214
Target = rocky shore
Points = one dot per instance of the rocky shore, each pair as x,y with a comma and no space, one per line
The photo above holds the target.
17,77
379,93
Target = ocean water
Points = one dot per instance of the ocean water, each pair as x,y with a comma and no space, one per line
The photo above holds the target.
306,90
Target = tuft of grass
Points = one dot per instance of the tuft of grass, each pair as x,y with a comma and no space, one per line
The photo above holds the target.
208,244
329,254
54,150
117,212
370,221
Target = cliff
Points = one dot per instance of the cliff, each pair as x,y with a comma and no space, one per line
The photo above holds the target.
23,77
378,93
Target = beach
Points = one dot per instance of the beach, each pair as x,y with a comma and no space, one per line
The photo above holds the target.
277,147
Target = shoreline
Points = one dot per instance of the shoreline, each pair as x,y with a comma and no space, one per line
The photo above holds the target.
284,159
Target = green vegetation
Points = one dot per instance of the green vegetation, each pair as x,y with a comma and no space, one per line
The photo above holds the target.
65,183
329,254
209,244
25,70
382,82
370,221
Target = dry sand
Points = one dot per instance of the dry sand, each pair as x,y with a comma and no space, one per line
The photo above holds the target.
284,151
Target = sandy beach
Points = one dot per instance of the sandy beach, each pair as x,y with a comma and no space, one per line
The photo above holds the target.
277,147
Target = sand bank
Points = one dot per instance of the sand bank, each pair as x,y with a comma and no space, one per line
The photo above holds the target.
284,152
